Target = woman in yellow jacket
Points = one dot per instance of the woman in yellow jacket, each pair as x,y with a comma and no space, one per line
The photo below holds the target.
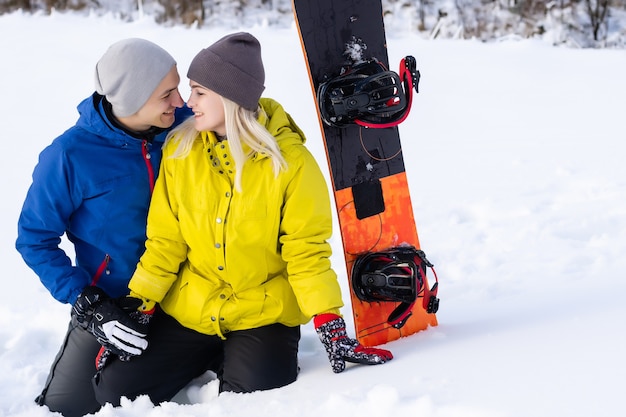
237,256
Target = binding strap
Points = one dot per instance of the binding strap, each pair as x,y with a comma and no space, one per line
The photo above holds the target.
395,275
409,77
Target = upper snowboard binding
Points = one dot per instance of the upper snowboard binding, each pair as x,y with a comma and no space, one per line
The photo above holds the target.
369,95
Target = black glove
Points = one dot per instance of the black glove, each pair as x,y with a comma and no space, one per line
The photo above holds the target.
109,321
331,329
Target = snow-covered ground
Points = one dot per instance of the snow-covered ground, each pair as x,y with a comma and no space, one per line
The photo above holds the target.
515,156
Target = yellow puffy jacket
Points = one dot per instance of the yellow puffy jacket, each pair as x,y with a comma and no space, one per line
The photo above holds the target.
218,260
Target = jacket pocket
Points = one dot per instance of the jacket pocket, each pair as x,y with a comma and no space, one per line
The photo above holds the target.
244,310
190,301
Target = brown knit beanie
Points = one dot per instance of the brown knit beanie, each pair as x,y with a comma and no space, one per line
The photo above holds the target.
232,67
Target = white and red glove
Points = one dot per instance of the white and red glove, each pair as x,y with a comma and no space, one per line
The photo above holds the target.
142,315
109,320
331,330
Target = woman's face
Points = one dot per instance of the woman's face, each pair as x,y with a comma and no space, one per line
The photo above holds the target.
208,109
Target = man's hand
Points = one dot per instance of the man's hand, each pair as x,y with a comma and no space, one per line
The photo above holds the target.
109,321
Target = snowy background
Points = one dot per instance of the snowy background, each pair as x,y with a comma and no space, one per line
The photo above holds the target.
574,23
515,156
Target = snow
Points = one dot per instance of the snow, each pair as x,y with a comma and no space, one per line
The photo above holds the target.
514,157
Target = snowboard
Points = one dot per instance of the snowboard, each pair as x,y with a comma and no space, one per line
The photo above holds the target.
367,168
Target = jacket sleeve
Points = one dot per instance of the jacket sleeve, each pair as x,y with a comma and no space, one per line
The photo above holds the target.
166,249
306,226
51,199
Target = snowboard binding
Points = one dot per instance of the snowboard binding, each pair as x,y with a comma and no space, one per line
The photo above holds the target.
395,275
369,95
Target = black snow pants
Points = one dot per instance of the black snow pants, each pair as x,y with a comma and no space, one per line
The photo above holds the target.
248,360
69,388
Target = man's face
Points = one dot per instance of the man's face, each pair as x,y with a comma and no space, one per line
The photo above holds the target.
159,109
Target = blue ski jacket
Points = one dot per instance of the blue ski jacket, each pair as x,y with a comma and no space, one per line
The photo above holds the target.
92,184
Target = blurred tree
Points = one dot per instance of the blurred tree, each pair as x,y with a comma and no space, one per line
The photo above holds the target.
597,11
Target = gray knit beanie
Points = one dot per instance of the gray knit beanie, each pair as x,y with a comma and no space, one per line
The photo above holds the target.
232,67
129,72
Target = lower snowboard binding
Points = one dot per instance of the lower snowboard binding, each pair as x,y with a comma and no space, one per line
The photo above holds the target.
395,275
369,95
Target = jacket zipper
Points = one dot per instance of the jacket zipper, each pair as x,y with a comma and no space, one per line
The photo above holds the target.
146,158
101,269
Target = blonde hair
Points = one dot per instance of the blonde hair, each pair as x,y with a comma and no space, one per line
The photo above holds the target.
242,124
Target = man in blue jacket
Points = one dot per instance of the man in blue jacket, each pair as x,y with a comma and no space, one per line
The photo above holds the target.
93,185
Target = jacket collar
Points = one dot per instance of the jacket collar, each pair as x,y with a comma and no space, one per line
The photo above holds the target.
276,120
94,119
148,135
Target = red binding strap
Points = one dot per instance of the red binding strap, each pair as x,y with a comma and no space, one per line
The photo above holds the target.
407,78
